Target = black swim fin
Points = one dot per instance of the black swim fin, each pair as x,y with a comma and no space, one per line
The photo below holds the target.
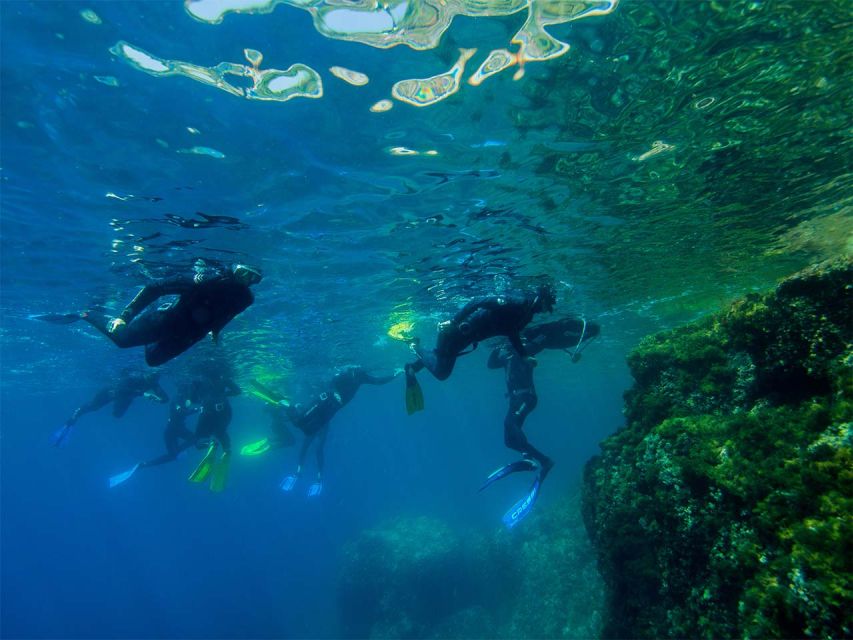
525,464
57,318
414,394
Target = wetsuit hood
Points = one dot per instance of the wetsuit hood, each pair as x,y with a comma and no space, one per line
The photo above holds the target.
545,298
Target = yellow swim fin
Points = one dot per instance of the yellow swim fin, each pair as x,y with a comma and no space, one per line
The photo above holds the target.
219,473
256,448
202,471
414,394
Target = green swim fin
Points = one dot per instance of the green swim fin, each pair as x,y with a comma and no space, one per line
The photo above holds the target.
265,392
414,394
256,448
219,473
202,471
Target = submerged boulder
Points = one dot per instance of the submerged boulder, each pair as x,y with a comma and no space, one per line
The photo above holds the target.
402,579
723,508
417,578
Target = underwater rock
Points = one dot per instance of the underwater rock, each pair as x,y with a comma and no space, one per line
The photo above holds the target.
560,593
417,578
723,508
403,578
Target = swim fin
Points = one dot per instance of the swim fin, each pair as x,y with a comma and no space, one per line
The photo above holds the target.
315,489
525,464
219,473
266,393
121,477
256,448
414,394
56,318
62,436
202,471
288,483
523,507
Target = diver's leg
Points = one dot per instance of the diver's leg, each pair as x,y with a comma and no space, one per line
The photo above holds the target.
321,445
513,435
101,399
221,431
438,363
120,405
306,443
140,331
204,427
514,438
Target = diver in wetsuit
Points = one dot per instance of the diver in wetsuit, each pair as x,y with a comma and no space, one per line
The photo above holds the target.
216,411
477,321
176,436
212,429
206,303
314,419
568,334
565,334
130,385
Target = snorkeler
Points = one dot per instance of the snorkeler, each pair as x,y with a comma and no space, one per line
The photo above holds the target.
314,420
206,303
478,320
568,334
212,429
130,385
176,435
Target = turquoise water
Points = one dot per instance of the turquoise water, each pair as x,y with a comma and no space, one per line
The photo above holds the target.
679,155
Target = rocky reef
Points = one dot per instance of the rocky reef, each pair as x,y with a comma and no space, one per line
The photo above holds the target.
723,508
417,578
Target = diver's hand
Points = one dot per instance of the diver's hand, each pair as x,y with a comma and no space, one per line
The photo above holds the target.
115,324
398,372
533,362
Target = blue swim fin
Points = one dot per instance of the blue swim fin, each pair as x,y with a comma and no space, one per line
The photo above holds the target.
288,483
523,507
315,489
62,436
525,464
121,477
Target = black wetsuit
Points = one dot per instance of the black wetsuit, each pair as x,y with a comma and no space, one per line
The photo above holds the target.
566,333
215,413
205,304
314,420
177,436
477,321
122,394
522,399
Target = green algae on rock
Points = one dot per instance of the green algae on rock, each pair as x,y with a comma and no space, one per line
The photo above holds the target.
723,508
